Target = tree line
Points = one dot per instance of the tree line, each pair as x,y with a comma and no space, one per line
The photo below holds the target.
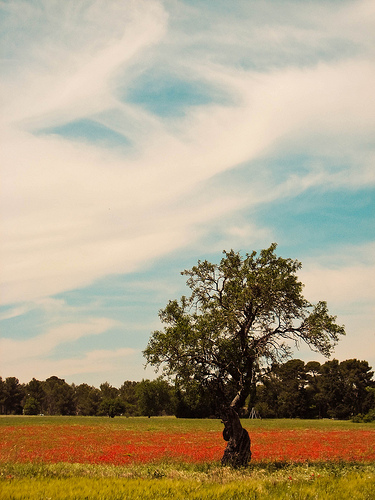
54,396
293,389
313,390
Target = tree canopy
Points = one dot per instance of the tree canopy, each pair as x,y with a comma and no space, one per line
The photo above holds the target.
240,312
331,390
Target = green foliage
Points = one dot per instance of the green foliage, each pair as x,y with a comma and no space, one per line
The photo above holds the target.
59,397
11,396
36,394
155,398
107,391
111,407
332,390
292,389
87,399
55,397
343,387
369,417
128,395
241,312
195,401
31,406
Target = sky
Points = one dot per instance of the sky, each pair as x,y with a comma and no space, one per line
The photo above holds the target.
140,136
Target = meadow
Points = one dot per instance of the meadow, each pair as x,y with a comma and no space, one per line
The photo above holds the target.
101,458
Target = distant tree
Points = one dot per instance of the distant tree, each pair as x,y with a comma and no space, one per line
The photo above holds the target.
283,392
357,376
107,391
111,407
59,397
370,399
31,406
314,401
128,395
292,398
155,397
35,397
195,401
312,390
242,312
343,387
267,391
332,390
87,399
13,394
2,396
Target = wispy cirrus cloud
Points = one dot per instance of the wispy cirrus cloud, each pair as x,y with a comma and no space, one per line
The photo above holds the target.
93,365
135,130
39,356
345,280
46,343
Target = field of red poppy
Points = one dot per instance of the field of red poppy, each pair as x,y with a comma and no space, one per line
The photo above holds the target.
138,458
123,441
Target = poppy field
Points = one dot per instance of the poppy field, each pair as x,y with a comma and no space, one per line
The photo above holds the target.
136,441
84,450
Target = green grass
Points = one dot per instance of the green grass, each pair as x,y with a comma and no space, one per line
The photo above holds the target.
208,481
142,424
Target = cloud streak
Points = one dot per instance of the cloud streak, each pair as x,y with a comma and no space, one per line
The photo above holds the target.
125,123
45,344
36,356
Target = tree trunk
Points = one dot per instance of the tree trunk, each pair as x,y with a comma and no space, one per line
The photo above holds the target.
237,453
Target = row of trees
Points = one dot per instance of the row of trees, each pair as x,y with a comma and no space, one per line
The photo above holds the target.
290,390
56,397
314,390
294,390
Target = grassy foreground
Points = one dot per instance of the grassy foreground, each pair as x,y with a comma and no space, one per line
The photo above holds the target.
329,481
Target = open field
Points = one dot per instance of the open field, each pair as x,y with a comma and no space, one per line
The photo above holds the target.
99,458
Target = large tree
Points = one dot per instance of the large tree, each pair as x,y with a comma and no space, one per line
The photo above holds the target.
240,313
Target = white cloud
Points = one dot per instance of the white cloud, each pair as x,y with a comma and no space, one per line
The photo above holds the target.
13,351
71,54
344,286
16,311
102,364
299,78
343,278
34,357
52,306
346,281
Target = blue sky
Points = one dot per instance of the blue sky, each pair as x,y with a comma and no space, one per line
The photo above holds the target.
139,136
